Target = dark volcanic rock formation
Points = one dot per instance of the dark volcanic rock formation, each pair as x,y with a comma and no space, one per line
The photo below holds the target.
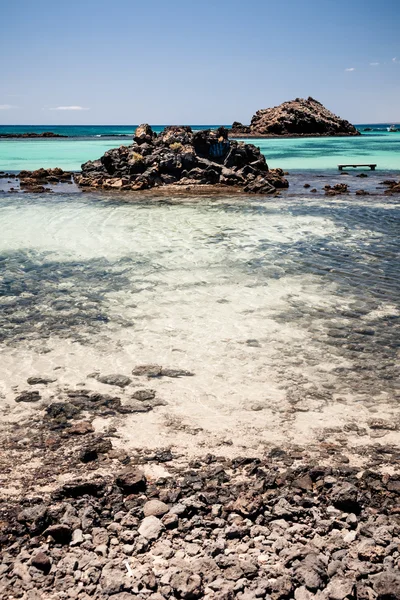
297,117
180,156
45,134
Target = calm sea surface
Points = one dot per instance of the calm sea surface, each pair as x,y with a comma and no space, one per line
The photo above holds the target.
90,142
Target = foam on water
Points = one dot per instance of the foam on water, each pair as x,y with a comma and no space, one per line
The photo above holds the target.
286,311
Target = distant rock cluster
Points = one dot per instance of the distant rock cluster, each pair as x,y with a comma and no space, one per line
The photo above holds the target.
298,117
179,156
45,134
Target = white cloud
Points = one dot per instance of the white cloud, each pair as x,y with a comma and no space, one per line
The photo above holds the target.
69,108
350,69
395,59
6,107
374,64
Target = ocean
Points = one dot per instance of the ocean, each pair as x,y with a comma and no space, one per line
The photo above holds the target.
90,142
285,309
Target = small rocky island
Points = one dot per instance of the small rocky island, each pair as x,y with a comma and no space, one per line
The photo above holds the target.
179,156
298,117
45,134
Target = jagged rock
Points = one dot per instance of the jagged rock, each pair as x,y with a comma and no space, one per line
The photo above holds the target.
96,447
45,134
179,156
28,397
186,584
340,588
387,585
144,395
64,410
296,118
345,497
158,371
131,481
37,380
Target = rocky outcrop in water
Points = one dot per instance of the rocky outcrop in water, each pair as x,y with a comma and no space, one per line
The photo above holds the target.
393,186
45,134
181,157
298,117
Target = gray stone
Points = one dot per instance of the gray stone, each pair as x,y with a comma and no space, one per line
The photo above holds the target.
144,395
77,538
151,528
115,379
155,508
339,588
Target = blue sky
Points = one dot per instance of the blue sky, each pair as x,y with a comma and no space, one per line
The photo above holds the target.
199,62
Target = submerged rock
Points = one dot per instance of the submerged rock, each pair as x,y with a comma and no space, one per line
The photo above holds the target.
295,118
28,397
179,156
114,379
158,371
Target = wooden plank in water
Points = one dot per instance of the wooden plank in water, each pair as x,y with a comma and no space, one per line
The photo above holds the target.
372,166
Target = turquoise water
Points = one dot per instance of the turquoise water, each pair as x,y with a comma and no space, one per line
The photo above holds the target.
90,142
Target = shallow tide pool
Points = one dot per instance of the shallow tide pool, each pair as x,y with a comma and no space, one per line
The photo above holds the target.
286,310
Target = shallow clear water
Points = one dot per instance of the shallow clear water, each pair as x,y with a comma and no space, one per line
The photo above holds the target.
290,302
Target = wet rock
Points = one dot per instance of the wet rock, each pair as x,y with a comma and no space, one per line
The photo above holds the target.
144,395
151,528
339,188
28,397
38,380
176,373
148,370
115,379
42,562
158,371
131,481
155,508
383,424
64,410
130,407
180,156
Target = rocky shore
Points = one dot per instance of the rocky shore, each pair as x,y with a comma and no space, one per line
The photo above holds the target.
82,517
180,157
296,118
154,525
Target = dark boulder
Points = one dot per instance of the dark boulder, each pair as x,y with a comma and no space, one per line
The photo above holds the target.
179,156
